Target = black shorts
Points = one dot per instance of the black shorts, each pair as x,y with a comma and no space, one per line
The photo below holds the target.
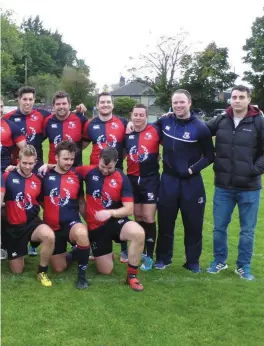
17,237
101,238
145,189
62,237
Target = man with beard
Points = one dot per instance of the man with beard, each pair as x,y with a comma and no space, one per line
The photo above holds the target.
103,131
23,189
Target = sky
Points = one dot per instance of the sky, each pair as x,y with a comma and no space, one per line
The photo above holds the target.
106,33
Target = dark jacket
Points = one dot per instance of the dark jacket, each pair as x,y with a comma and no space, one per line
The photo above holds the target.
186,144
239,152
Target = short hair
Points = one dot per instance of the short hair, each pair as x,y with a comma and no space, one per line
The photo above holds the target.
183,91
26,90
104,93
141,105
109,154
241,88
66,145
28,151
61,95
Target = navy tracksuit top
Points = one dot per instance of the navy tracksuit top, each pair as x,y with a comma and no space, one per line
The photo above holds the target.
187,143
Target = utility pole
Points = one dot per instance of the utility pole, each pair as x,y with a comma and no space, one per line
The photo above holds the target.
26,71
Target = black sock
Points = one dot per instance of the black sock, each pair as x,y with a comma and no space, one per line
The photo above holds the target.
42,269
123,246
150,238
82,256
143,225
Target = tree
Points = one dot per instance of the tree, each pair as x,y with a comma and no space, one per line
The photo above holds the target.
161,66
11,50
46,86
76,82
255,57
124,105
205,74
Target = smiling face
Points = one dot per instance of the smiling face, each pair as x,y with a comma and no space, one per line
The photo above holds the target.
139,117
181,105
26,102
61,108
26,164
65,160
105,105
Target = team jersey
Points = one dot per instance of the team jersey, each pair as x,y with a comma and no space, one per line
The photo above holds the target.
31,125
103,134
103,192
21,197
70,129
142,149
10,136
60,195
3,189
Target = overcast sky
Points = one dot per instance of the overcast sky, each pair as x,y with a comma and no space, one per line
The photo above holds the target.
106,33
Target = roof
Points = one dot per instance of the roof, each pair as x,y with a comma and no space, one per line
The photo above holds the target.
133,89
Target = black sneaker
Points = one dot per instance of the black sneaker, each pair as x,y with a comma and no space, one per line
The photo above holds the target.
81,283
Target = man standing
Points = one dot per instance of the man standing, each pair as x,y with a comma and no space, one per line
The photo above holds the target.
62,204
109,202
187,149
103,131
238,166
23,224
142,149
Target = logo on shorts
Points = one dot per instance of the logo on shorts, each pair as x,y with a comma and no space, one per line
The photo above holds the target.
186,135
33,185
167,128
24,201
57,199
200,200
135,156
94,245
121,221
14,254
113,183
106,200
148,135
95,178
114,126
150,196
102,140
71,125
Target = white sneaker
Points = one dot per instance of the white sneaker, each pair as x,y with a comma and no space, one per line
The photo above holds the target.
3,254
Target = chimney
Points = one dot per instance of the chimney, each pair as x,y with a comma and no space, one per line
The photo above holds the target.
122,81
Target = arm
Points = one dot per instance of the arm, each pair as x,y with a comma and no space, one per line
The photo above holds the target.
207,149
259,163
21,144
213,124
2,189
126,210
82,207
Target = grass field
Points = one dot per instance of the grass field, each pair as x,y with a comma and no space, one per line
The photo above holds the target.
177,308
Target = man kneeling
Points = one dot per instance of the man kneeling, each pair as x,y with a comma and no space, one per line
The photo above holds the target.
109,202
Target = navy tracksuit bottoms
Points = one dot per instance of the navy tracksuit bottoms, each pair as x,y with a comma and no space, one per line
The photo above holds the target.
188,196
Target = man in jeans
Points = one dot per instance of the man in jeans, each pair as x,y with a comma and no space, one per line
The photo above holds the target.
239,163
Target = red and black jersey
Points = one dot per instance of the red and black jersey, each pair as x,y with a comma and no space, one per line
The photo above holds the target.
103,134
31,125
103,192
10,136
61,194
142,149
21,197
3,189
70,129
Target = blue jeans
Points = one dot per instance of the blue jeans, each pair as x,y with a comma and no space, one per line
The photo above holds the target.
225,201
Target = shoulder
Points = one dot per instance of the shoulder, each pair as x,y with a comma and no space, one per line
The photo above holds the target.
11,114
120,120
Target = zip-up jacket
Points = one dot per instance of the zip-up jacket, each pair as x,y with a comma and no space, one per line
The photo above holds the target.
187,143
239,152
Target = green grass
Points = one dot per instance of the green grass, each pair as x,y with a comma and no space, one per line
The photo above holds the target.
177,308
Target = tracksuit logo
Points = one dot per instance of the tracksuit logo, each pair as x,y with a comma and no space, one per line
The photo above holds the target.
200,200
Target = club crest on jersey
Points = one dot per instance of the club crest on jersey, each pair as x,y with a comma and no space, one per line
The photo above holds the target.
113,183
34,117
71,125
70,180
33,185
23,201
2,129
57,199
102,140
114,126
148,135
186,135
31,134
106,200
135,156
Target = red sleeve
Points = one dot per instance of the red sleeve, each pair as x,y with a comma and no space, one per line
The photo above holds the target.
84,170
85,130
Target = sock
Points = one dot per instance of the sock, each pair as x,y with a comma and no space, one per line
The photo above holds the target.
123,246
71,256
132,271
150,238
143,225
82,256
42,269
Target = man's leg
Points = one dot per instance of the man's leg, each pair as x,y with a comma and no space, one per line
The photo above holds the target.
192,204
44,234
224,204
168,207
133,232
248,206
16,265
139,219
79,235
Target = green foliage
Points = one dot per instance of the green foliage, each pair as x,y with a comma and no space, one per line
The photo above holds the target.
46,86
124,105
255,57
